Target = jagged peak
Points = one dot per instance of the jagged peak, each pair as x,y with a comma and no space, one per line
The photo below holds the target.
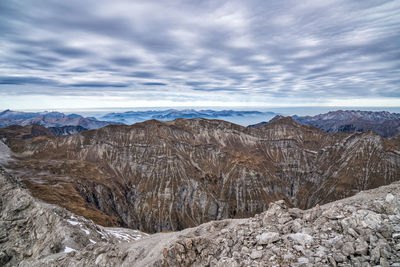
284,120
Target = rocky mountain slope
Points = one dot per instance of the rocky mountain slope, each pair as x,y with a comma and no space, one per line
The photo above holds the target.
157,176
67,130
49,119
383,123
363,230
31,230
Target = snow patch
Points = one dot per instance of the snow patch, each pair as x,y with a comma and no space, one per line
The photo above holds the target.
73,222
68,249
86,231
101,233
125,235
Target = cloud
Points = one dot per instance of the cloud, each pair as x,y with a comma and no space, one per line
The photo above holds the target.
154,84
141,74
17,80
185,51
98,84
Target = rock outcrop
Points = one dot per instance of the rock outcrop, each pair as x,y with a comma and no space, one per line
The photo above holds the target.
157,176
67,130
363,230
31,230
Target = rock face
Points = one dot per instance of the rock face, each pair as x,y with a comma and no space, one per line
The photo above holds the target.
30,229
363,230
67,130
157,176
357,231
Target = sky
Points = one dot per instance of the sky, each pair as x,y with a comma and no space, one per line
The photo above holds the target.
258,53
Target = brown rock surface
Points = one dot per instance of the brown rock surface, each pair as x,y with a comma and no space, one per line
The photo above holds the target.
363,230
157,176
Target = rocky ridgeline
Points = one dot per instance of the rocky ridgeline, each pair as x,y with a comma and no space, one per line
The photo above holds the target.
158,176
360,231
363,230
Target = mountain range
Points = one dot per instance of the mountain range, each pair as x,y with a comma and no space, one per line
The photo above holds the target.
130,117
156,176
50,119
384,123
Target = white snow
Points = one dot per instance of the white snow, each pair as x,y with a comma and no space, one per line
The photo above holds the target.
86,231
102,235
68,249
119,235
73,222
91,241
125,235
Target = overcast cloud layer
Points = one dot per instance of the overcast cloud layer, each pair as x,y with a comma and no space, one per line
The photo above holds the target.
195,52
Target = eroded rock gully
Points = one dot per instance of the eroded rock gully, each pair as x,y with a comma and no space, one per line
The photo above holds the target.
156,176
363,230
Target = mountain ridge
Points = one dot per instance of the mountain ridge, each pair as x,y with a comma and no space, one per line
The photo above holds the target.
157,176
383,123
171,114
49,119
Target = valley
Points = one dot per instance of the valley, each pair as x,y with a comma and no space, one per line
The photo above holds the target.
157,176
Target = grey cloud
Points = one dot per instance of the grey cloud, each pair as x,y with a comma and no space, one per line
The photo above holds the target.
98,84
125,61
154,84
142,74
79,69
256,49
194,83
216,89
70,52
16,80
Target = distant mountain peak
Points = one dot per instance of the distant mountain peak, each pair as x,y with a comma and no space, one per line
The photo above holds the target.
278,117
382,122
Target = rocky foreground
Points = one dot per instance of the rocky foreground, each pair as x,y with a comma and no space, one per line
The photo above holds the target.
363,230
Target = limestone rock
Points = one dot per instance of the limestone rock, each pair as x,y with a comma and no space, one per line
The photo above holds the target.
301,238
268,237
33,233
156,176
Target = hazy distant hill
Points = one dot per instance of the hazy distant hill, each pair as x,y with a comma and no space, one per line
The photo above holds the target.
171,114
49,119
